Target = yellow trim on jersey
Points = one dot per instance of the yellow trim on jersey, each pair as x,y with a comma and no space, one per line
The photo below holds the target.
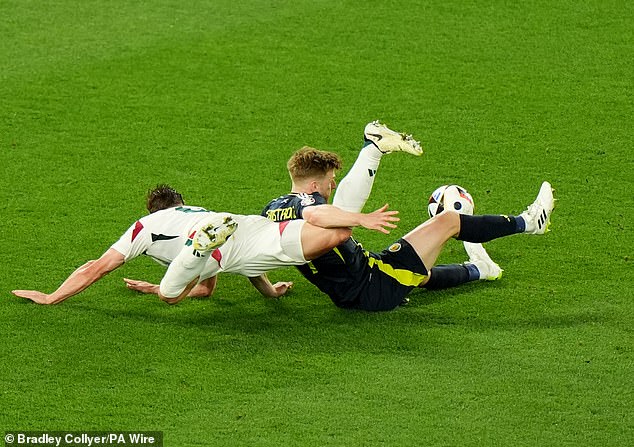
405,277
336,250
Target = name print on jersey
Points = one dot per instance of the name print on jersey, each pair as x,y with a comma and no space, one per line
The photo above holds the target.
281,214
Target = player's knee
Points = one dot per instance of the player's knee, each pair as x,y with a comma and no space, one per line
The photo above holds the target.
168,294
449,221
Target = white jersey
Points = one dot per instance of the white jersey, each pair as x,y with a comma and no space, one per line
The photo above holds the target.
257,246
160,235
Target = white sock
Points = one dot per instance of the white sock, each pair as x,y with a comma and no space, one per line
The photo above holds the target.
354,189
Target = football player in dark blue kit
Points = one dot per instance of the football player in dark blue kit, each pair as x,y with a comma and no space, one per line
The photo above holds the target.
358,279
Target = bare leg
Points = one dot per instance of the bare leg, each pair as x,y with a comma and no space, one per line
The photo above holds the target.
429,238
317,241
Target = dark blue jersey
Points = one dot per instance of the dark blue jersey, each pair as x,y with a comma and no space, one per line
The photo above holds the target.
342,272
290,206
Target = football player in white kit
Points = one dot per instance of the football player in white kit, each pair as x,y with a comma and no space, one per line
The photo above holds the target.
247,245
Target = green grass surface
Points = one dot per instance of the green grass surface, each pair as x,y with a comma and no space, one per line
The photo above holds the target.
102,100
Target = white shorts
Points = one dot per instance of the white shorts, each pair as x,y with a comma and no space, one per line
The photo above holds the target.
291,239
260,245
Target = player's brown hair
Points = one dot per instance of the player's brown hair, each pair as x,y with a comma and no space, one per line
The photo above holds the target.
310,162
163,197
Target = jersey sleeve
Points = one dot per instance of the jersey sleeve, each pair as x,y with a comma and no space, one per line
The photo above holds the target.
134,242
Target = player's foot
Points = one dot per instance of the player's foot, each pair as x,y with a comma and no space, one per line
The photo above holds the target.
215,233
389,141
537,215
479,257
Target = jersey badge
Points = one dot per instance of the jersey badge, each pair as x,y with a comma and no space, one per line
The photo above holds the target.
307,199
394,247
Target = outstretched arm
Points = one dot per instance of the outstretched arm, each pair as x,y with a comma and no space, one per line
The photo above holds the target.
203,289
329,216
264,286
79,280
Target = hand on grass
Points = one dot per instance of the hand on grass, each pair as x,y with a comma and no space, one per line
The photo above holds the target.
281,288
33,295
141,286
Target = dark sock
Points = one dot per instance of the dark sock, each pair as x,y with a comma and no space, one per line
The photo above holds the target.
452,275
488,227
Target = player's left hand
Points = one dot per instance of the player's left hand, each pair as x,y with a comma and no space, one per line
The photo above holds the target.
141,286
380,220
33,295
281,288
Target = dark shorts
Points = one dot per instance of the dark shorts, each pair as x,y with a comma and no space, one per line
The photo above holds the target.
393,274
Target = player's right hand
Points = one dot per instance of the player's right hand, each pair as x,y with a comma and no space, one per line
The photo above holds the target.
33,295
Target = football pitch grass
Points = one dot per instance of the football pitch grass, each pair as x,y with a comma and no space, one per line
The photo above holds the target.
102,100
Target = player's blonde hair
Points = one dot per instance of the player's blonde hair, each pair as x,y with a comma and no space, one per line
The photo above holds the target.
309,162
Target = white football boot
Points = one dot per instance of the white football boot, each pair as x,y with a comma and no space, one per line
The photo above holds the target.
389,141
214,233
479,257
537,215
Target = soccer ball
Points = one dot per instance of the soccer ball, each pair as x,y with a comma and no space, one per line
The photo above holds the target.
463,204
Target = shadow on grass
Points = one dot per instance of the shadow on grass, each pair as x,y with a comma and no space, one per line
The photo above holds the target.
253,313
310,322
